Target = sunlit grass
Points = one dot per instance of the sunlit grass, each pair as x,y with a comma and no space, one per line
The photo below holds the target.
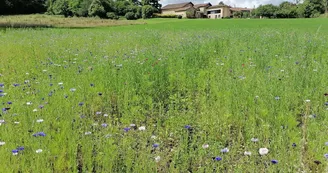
190,84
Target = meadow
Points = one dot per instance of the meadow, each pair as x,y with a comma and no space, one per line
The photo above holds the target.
167,96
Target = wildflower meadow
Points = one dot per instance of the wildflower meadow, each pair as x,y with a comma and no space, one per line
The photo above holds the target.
168,96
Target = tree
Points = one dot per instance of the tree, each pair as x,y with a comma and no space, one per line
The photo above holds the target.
147,11
191,13
221,3
97,9
266,10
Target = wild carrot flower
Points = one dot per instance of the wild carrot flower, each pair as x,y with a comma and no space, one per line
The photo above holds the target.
263,151
247,153
142,128
157,159
204,146
224,150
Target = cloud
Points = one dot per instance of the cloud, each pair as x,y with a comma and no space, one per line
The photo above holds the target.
237,3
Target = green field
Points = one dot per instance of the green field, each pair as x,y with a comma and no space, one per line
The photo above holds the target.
169,96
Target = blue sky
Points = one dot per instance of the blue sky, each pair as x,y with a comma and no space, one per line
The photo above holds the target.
237,3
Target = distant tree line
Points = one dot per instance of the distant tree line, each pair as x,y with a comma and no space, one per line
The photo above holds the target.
112,9
307,9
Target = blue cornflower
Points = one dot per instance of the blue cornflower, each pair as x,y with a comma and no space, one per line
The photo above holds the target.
187,126
81,104
15,152
155,145
1,91
41,106
20,148
9,103
2,85
15,84
126,129
274,161
39,134
1,95
326,156
294,145
218,158
104,125
5,109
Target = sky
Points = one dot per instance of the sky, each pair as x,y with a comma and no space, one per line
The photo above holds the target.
233,3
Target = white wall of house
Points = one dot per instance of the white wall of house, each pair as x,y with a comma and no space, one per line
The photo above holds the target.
215,13
218,13
167,12
181,13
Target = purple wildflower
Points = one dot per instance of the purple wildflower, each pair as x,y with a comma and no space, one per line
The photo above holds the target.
2,85
98,113
81,104
15,152
155,145
39,134
104,125
126,129
294,145
9,103
15,84
326,155
20,148
187,126
41,106
218,158
274,161
1,91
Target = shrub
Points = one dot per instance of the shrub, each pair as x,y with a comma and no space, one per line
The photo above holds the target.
130,16
112,15
155,15
179,17
147,11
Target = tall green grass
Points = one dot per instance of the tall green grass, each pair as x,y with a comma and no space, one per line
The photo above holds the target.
189,82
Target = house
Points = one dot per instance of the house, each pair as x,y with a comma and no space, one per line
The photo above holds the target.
201,9
206,10
177,9
218,12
